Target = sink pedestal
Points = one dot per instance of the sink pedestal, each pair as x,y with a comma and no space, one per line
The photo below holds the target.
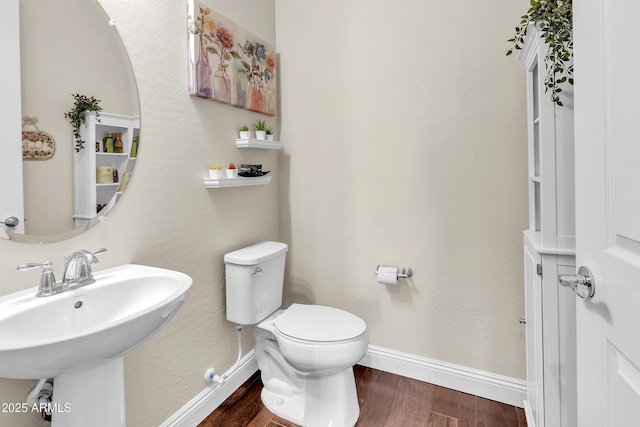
92,397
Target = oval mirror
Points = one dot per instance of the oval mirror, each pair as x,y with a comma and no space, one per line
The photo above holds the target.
68,50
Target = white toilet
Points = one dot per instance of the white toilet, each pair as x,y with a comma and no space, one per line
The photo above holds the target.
305,353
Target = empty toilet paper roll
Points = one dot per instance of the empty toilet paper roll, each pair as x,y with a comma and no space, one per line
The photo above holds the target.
388,275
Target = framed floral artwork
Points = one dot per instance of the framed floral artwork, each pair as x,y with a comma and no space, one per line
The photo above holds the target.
229,64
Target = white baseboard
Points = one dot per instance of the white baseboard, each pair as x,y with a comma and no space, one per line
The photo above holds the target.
529,414
492,386
191,414
468,380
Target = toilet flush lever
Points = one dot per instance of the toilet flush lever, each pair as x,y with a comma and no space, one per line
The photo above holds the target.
257,272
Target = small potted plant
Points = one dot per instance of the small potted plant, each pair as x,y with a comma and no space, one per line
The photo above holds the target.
215,171
261,129
269,130
232,172
77,115
244,132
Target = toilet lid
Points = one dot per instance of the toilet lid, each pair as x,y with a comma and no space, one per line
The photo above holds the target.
319,323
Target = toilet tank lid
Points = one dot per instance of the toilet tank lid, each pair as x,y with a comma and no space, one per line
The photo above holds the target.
255,254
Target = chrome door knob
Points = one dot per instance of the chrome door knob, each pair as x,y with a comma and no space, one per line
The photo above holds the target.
583,283
12,221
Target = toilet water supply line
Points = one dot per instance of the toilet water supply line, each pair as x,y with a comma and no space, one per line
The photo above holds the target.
218,380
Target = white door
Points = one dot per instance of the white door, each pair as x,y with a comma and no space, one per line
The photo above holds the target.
11,200
607,147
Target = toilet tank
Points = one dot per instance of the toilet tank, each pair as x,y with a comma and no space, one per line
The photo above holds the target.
254,281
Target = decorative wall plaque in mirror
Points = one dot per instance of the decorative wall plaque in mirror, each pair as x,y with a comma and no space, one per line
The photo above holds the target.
67,48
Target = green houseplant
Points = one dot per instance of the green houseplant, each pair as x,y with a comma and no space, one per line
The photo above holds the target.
554,20
244,132
77,116
261,129
215,171
270,132
261,125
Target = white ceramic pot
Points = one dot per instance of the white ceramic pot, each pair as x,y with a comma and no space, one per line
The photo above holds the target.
232,173
245,134
269,137
215,173
261,134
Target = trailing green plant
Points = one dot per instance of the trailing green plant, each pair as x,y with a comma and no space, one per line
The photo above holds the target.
554,20
77,116
261,125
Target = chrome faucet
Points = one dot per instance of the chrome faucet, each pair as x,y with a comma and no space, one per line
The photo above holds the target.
77,268
77,272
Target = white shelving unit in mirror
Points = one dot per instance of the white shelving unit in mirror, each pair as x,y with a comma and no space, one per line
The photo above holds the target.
94,196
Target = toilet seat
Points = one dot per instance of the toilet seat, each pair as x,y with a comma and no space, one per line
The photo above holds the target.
319,340
319,324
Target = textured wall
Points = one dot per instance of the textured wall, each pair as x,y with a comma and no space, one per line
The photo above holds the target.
406,145
166,217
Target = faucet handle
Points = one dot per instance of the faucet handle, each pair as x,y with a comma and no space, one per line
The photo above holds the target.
47,279
33,265
100,251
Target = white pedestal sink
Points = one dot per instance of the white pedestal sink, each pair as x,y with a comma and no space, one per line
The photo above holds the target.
79,337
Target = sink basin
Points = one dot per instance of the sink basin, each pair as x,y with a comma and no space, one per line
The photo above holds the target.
44,337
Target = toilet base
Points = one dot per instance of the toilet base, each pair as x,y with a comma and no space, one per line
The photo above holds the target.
327,401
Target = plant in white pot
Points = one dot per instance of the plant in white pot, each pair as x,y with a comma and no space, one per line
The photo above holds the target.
244,132
231,171
261,129
269,130
215,171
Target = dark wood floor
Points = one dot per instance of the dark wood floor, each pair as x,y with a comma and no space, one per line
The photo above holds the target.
386,400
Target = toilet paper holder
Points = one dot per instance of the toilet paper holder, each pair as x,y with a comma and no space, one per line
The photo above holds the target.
405,273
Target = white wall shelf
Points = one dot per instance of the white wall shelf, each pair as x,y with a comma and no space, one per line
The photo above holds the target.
236,182
245,181
258,143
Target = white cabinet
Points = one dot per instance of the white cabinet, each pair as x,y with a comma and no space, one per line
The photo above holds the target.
90,195
550,336
549,249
